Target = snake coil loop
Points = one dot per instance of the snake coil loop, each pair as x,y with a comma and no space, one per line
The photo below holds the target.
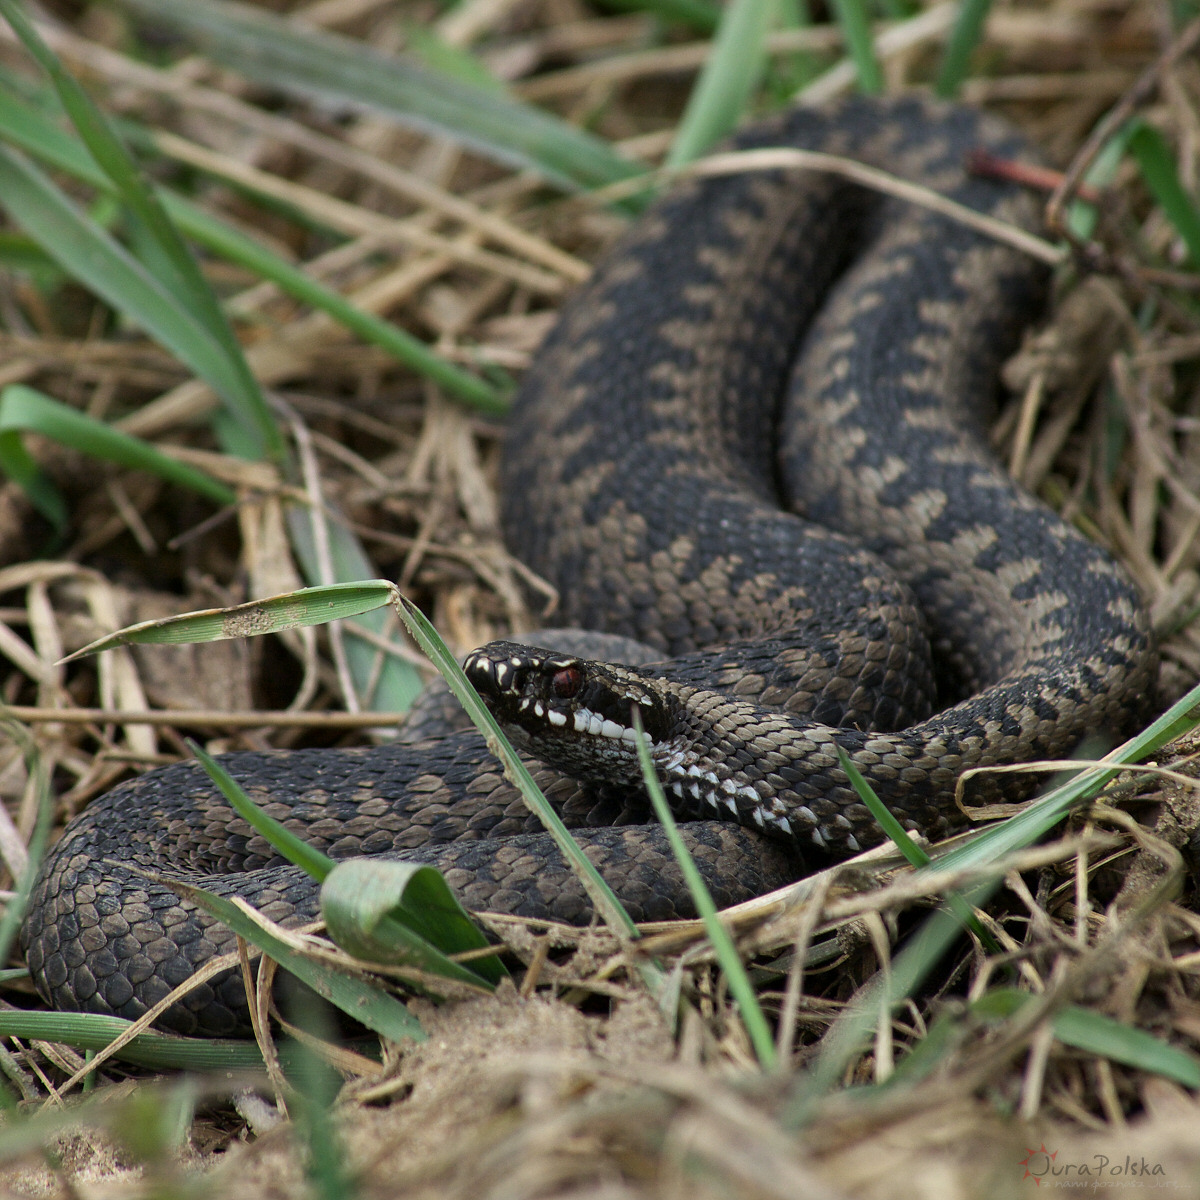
755,443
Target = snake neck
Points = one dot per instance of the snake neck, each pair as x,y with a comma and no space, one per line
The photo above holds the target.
697,782
581,716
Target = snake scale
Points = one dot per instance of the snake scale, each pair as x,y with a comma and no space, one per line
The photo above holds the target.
755,442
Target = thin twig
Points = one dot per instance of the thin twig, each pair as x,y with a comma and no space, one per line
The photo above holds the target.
1112,121
791,158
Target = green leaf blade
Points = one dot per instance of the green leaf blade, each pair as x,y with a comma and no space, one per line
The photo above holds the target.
299,59
852,16
26,410
159,1051
177,271
735,972
965,36
608,907
92,256
1101,1035
382,910
727,82
357,997
290,610
1153,156
295,849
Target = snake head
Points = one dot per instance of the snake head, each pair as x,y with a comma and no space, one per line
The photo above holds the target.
570,712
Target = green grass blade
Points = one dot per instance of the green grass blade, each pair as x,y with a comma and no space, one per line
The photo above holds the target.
20,253
314,1126
36,134
32,130
389,688
699,14
32,1133
14,909
444,58
1182,717
855,21
964,37
386,911
915,855
295,849
160,1051
397,683
880,811
920,955
792,73
291,610
1100,1035
153,1126
732,72
1154,159
309,606
740,986
113,159
945,1035
180,274
1083,217
17,464
312,606
313,63
934,937
236,247
607,905
88,253
373,908
1040,816
25,410
371,901
364,1001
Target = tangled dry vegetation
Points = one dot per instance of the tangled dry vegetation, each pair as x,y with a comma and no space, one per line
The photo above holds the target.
569,1082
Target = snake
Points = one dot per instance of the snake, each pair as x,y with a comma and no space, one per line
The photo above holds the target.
753,451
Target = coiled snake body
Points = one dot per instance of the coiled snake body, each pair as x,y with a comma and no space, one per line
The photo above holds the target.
852,557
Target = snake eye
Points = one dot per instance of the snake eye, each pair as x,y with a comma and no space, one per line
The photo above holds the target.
567,682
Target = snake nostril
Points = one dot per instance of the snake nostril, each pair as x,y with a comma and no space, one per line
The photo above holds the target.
481,671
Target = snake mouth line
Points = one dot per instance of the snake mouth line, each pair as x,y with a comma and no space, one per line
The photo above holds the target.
547,695
591,723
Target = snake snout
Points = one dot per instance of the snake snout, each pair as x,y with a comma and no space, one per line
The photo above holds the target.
508,670
486,673
547,696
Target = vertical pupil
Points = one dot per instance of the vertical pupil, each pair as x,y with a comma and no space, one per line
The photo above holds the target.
566,682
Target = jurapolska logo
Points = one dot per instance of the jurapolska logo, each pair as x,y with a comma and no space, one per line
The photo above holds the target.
1095,1172
1037,1163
